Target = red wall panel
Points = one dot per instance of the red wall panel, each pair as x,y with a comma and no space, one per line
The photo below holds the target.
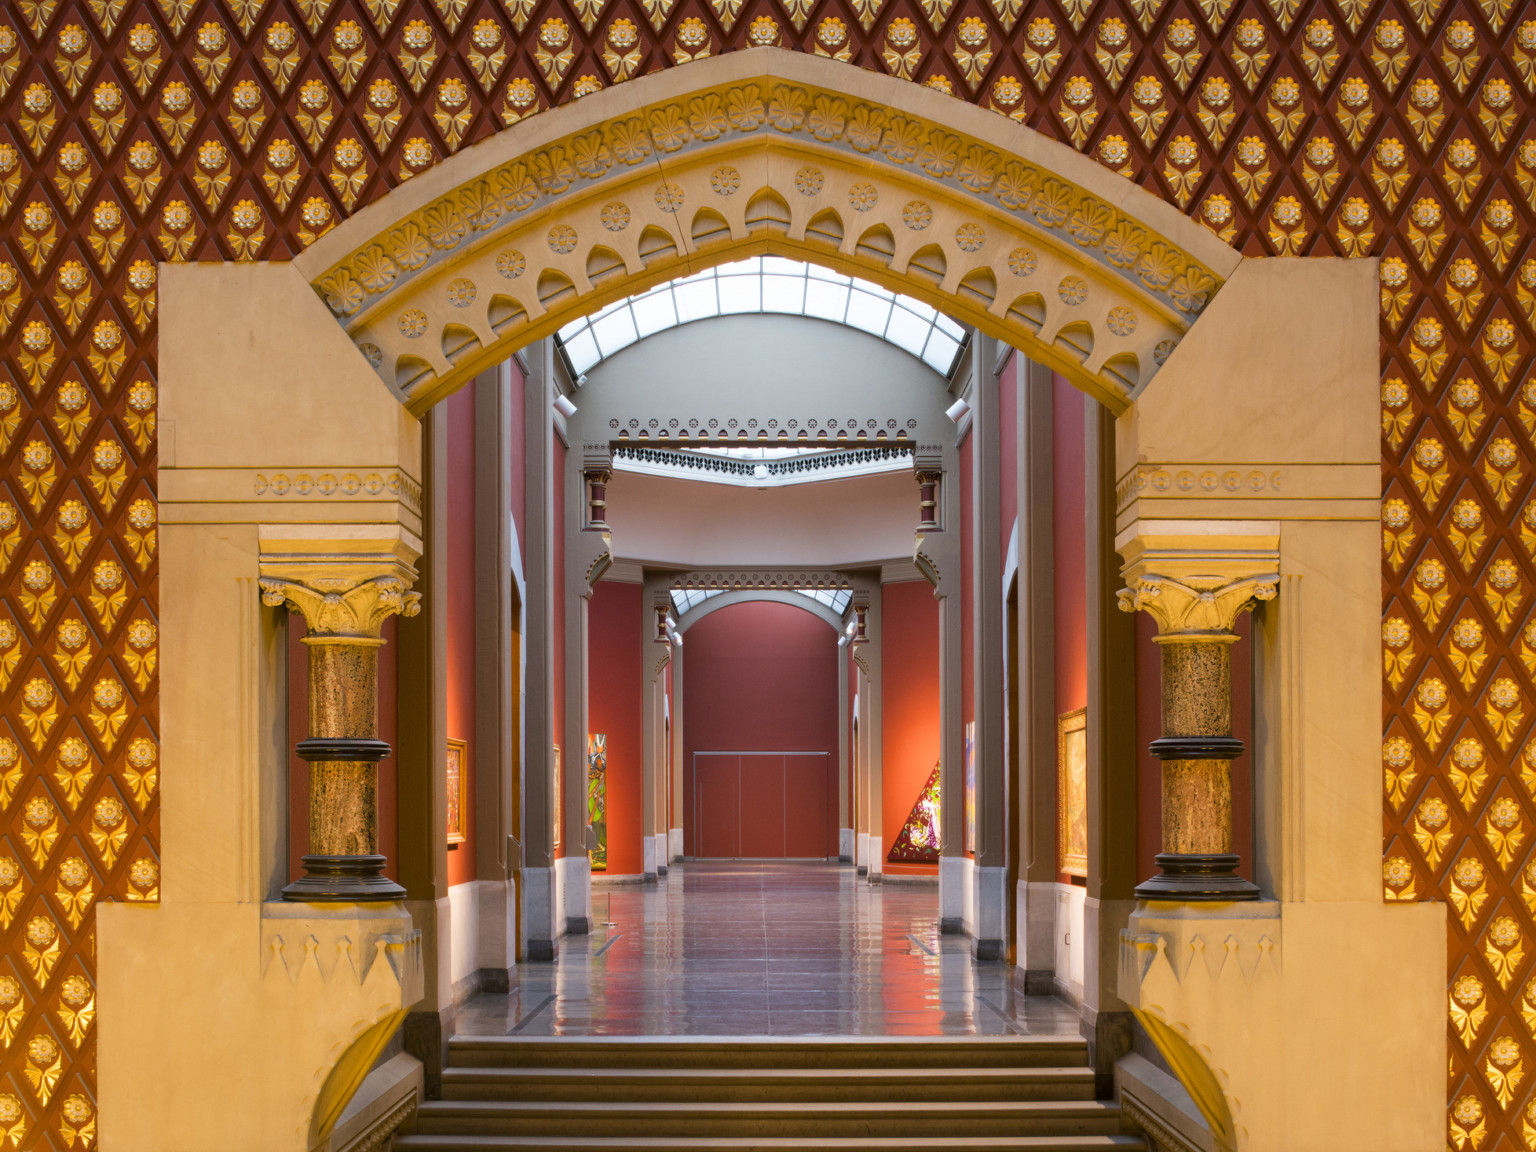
909,671
458,569
615,707
518,477
758,677
1008,467
574,758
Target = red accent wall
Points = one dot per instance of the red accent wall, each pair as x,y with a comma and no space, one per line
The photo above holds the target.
956,827
574,759
1008,468
615,706
519,479
1069,547
459,566
298,729
909,733
759,677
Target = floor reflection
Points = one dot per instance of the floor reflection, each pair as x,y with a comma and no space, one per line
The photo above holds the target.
764,949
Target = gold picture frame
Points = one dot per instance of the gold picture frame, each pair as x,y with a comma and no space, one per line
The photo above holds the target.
1072,793
455,805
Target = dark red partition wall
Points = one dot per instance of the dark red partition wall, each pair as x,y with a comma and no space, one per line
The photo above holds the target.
573,758
615,703
761,677
1008,455
458,569
956,827
909,707
298,729
518,477
1069,544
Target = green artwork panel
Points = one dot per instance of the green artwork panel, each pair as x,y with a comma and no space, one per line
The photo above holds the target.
597,799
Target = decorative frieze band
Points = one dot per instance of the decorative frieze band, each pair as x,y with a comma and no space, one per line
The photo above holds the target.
327,484
731,581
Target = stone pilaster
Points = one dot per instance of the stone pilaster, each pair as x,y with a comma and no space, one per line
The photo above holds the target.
345,604
1195,594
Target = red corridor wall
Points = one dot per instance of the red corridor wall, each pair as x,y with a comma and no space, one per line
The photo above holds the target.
909,671
761,677
615,703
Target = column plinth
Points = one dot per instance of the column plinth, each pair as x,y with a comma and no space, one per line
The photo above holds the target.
346,618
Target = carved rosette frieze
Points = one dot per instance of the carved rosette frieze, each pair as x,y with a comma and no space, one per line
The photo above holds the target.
725,580
1196,614
345,612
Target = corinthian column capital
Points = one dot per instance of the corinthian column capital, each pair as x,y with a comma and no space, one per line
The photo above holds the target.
1195,606
343,606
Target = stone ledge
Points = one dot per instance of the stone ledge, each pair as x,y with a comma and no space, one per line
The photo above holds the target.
1156,1104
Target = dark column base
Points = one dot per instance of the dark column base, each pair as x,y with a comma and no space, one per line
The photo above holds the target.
1197,878
862,870
540,951
988,950
578,926
426,1037
343,880
1039,982
951,926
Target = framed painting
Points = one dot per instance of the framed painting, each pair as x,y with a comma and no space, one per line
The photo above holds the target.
1072,793
970,787
456,753
556,823
597,799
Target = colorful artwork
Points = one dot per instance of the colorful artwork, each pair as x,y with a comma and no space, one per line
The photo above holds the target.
556,797
970,787
597,799
920,836
455,805
1072,793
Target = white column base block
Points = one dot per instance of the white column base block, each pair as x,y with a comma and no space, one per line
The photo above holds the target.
988,907
861,851
573,875
954,905
539,913
876,856
845,844
675,845
648,856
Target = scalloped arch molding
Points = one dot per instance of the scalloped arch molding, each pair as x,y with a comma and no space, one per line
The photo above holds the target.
767,152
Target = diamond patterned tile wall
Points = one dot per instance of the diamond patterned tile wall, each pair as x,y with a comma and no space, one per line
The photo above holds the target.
136,131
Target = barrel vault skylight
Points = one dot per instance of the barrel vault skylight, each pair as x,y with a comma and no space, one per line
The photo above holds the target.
838,599
767,284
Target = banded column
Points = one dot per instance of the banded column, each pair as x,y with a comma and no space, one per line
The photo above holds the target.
1196,611
346,615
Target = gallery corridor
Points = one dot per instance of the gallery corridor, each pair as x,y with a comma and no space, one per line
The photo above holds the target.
764,948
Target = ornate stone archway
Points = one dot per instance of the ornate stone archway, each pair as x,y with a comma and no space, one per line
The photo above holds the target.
1194,348
767,152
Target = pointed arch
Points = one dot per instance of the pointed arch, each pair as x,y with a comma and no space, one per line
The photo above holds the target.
767,152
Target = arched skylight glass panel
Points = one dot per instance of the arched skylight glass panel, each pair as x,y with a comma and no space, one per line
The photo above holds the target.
837,600
767,284
685,598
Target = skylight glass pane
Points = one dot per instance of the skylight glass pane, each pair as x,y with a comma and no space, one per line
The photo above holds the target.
826,301
696,301
767,284
907,331
582,350
940,353
840,601
654,312
784,294
615,331
868,312
740,294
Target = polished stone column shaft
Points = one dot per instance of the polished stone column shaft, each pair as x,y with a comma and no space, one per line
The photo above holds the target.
346,619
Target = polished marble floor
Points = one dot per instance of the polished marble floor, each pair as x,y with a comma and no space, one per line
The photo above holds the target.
778,949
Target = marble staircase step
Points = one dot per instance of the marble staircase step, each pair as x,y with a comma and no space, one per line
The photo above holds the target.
768,1052
1051,1143
809,1085
849,1118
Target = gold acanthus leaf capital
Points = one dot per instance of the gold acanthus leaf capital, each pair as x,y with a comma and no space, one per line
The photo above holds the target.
342,606
1197,606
